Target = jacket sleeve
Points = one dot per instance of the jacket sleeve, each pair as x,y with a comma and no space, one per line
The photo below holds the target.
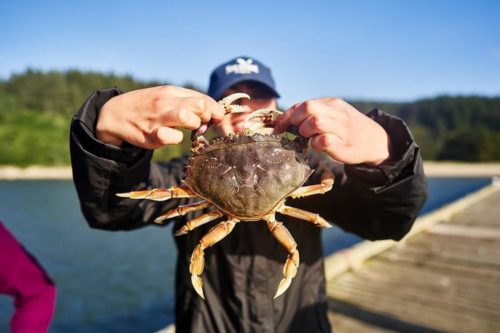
25,280
101,170
374,202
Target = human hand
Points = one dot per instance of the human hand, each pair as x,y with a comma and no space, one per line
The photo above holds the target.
147,118
338,129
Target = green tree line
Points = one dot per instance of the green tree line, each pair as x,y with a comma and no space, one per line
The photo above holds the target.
36,108
452,128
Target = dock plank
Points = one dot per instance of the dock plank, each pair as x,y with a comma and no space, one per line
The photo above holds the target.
445,279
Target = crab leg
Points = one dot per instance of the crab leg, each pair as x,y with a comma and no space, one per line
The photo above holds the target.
182,210
281,233
198,221
214,235
316,219
160,194
327,179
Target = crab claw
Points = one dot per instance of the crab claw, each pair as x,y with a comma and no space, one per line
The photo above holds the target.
268,115
196,268
154,194
289,272
160,194
283,286
227,102
265,118
197,285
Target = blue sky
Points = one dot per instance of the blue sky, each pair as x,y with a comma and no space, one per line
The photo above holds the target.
383,50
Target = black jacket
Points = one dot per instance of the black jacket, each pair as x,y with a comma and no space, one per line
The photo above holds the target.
242,272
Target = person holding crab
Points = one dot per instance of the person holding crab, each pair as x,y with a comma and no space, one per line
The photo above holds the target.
379,189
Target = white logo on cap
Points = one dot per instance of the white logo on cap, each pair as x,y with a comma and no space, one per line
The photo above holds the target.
242,66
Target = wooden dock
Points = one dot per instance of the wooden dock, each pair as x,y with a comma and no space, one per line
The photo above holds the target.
444,277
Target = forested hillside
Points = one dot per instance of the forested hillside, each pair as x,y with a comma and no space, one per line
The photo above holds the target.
36,109
455,128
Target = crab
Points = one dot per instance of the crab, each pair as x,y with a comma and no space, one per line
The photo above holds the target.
246,177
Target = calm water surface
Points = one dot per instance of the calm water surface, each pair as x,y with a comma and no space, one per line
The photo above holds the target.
120,281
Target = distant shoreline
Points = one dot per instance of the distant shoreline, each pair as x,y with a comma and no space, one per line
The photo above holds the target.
459,169
33,172
432,169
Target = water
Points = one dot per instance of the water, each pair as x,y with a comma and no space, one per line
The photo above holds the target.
120,281
441,192
107,281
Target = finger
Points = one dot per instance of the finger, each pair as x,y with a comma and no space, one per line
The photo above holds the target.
329,143
197,101
176,91
198,106
336,102
180,117
205,107
319,124
152,139
304,110
301,113
283,122
165,136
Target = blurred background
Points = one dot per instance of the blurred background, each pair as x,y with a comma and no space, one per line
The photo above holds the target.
436,64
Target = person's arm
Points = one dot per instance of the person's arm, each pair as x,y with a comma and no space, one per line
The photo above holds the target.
377,194
374,202
111,142
24,279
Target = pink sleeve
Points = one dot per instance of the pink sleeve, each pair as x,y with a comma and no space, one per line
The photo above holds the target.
23,278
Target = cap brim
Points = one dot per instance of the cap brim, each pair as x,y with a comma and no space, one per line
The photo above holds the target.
238,79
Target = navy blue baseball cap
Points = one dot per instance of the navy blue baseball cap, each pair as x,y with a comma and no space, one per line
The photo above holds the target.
238,70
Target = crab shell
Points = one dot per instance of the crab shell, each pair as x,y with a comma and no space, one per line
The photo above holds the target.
247,175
